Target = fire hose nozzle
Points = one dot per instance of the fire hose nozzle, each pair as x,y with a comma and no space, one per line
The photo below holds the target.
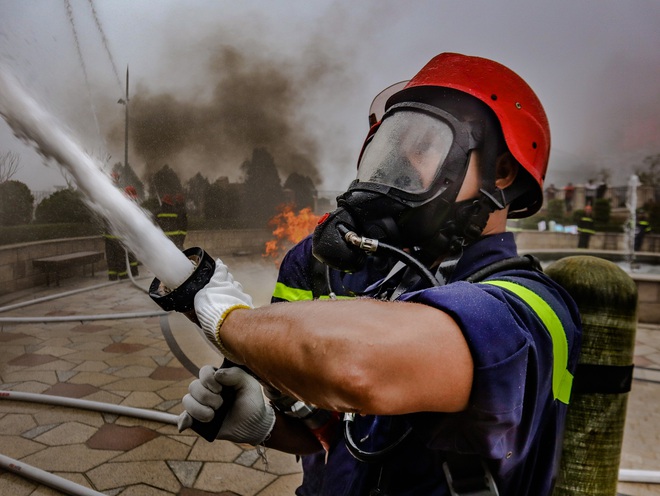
182,298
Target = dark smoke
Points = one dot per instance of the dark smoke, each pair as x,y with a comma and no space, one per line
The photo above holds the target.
255,102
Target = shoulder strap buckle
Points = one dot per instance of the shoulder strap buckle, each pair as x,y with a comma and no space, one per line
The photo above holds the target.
469,476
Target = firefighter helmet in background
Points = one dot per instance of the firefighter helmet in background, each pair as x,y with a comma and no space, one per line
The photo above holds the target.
131,192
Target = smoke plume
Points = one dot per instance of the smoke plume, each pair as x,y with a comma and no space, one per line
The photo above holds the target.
255,101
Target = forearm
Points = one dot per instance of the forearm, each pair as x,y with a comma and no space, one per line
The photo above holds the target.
290,435
341,355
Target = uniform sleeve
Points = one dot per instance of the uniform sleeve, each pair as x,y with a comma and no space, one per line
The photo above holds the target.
293,279
512,386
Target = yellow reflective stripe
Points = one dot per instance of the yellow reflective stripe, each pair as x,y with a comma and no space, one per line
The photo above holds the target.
176,233
562,379
284,292
162,216
287,293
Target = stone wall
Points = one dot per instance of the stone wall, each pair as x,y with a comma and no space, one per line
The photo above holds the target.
530,240
17,273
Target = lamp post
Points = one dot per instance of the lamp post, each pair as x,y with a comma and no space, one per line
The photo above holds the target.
124,102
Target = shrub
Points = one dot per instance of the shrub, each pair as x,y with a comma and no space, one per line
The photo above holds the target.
16,204
66,205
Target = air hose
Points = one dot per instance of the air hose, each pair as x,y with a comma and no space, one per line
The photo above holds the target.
370,245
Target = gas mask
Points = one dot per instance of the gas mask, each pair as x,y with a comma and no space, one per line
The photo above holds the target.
409,175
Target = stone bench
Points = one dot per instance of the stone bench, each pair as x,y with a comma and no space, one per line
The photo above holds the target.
59,262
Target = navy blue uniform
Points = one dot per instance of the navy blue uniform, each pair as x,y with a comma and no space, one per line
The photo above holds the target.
515,417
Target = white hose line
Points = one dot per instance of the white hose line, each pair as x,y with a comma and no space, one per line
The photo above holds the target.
56,296
625,475
81,318
644,476
52,480
128,411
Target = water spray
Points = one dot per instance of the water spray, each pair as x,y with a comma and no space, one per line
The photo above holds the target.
32,124
179,275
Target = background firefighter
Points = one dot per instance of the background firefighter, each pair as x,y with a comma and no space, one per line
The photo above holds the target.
172,218
585,227
115,252
445,366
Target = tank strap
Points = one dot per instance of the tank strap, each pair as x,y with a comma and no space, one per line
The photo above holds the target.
525,262
468,475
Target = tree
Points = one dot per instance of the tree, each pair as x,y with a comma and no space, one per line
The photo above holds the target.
16,203
303,189
602,211
9,165
262,189
222,204
650,175
64,206
165,182
555,210
196,192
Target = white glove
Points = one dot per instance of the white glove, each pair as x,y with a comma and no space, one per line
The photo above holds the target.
249,420
216,300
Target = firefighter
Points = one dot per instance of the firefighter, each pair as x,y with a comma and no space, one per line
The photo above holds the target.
642,228
172,218
133,264
115,253
182,220
585,228
424,362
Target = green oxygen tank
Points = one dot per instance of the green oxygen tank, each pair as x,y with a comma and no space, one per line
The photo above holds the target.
607,299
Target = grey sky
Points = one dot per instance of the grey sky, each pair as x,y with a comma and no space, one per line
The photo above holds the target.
314,68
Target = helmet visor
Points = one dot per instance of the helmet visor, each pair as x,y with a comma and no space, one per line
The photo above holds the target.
407,152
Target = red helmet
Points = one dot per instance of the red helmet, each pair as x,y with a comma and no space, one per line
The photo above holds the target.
520,113
131,192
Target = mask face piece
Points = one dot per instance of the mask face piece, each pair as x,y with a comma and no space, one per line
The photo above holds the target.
409,175
407,152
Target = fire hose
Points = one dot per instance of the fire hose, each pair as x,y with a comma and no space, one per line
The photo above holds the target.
52,480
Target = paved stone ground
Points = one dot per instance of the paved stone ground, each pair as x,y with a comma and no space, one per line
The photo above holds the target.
129,362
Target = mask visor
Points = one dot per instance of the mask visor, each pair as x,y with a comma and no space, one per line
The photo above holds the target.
408,151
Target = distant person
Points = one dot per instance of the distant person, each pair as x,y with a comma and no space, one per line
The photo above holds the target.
182,219
551,192
585,228
601,190
131,194
115,253
590,192
569,194
173,219
642,227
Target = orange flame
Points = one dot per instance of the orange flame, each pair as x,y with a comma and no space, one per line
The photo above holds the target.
290,228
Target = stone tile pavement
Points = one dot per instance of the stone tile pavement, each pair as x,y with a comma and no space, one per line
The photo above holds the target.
147,362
